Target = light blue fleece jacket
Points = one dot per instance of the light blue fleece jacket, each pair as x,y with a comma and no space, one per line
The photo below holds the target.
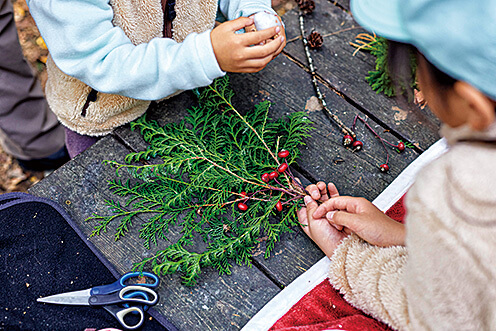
84,44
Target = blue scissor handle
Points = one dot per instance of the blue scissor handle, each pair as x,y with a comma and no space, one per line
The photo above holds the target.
120,283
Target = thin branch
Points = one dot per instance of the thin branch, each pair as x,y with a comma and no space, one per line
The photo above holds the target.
332,116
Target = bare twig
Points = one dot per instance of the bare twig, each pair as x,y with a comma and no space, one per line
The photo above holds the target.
332,116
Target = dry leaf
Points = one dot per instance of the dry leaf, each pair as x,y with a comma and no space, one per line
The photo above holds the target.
400,114
313,104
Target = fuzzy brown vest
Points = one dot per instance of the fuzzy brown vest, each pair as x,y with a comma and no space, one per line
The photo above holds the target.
141,20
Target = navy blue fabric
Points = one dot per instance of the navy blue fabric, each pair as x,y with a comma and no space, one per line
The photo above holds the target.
42,255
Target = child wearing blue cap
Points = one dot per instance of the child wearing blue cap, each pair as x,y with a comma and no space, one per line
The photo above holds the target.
109,59
438,272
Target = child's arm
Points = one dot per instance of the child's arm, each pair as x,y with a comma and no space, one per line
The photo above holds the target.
369,277
349,215
360,216
84,44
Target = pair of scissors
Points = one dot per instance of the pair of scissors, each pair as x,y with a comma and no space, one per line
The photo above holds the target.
121,299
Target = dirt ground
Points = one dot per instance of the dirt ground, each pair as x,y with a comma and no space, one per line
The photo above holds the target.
12,177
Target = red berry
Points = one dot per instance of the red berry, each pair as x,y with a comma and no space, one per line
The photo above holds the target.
273,175
283,167
243,193
357,145
283,153
401,146
384,167
279,206
242,206
347,140
265,177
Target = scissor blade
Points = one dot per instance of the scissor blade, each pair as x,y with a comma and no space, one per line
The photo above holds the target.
79,298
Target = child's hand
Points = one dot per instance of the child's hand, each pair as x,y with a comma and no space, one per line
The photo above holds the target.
243,52
360,216
319,230
263,20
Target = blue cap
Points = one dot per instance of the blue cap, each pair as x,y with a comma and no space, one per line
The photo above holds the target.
457,36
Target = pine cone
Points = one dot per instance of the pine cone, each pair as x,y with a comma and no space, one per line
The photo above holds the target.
315,40
306,6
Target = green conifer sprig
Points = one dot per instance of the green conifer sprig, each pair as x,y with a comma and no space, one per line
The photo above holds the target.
380,79
188,184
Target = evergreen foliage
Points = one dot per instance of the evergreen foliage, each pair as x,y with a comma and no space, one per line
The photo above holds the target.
380,79
205,162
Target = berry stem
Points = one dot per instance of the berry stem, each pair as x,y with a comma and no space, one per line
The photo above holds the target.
375,133
295,198
296,181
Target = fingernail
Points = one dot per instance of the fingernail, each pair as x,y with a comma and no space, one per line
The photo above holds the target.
282,39
330,215
307,199
278,29
315,194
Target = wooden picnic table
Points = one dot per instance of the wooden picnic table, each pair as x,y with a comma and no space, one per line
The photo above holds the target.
227,302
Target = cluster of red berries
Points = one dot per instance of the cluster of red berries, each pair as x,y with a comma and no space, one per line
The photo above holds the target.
356,145
267,177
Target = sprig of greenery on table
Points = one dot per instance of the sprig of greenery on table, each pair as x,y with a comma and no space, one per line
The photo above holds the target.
206,161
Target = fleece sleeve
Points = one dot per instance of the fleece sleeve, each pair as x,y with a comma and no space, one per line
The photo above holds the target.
371,279
84,44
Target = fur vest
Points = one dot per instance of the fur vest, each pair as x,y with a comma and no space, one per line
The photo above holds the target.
88,112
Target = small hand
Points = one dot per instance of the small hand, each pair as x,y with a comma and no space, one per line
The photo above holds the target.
282,33
243,52
319,230
360,216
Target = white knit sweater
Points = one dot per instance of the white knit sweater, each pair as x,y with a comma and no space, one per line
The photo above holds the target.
445,277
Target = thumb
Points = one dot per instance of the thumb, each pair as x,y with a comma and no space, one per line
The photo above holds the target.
342,218
239,23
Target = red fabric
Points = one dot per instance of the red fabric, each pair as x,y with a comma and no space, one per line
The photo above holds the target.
397,211
324,308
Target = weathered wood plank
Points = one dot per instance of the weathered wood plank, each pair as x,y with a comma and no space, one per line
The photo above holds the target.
346,73
216,303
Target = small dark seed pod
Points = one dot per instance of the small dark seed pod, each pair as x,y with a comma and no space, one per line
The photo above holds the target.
315,40
306,6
